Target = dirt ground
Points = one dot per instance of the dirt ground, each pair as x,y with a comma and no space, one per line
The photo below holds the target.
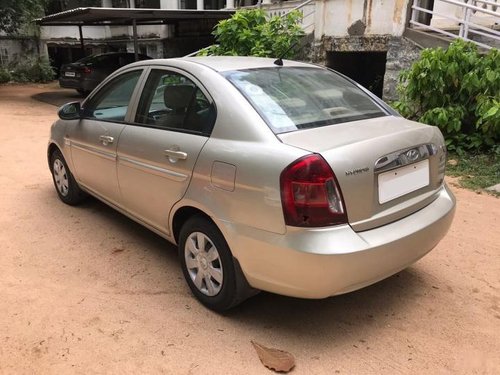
85,290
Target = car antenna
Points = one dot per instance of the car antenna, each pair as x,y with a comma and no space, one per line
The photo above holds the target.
279,60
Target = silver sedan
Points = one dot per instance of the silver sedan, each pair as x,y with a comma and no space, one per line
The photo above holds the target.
268,175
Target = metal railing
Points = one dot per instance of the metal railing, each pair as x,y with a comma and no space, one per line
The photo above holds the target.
307,8
282,8
465,24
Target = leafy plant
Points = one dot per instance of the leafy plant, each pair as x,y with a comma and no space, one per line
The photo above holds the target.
32,70
252,33
458,90
4,75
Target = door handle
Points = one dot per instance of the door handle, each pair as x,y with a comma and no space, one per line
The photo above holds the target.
106,139
174,154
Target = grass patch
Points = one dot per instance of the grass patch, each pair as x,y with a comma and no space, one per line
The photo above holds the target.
475,171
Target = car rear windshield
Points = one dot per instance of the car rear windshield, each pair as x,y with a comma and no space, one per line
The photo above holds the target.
88,59
296,98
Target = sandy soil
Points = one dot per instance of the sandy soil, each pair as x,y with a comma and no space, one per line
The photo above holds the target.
85,290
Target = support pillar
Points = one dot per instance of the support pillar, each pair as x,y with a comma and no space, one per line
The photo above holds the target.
82,45
200,4
134,31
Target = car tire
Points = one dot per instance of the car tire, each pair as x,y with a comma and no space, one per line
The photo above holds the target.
66,186
210,270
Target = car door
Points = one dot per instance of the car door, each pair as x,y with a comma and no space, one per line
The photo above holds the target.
157,154
93,141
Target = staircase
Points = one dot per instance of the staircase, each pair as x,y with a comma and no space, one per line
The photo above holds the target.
307,8
439,22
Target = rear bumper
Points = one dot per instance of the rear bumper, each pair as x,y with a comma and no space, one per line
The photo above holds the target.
317,263
77,84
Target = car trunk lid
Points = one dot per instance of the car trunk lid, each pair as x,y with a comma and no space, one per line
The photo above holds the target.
74,70
387,167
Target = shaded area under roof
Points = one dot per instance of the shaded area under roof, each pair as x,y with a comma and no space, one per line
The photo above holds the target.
126,16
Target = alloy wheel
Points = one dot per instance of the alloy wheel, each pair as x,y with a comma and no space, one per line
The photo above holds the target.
61,177
203,264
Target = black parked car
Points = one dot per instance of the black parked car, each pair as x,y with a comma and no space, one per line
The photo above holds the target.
85,74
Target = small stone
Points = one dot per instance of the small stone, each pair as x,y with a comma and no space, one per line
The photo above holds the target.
494,188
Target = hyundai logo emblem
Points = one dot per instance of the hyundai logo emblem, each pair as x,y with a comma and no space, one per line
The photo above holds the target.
412,154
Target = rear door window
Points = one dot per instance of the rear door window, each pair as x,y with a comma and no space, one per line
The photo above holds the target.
173,101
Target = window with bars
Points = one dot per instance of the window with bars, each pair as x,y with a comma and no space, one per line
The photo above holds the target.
4,56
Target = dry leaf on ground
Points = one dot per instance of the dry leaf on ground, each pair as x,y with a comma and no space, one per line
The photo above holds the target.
275,359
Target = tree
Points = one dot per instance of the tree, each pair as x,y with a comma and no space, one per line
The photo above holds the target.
252,33
17,16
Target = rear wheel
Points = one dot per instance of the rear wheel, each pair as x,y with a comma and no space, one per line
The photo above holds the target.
209,268
67,188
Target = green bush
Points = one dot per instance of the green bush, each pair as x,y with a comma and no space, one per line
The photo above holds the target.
4,75
32,70
251,33
458,90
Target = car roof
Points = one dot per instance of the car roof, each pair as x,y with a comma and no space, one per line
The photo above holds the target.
225,63
115,54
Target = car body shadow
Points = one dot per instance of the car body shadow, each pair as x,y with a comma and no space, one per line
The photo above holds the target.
58,97
342,315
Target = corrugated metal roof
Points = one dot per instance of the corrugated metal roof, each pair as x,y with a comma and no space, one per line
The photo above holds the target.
125,16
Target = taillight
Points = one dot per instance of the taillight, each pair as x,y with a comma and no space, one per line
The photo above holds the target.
87,70
310,194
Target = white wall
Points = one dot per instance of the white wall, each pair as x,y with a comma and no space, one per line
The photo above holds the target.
101,32
169,4
334,17
57,32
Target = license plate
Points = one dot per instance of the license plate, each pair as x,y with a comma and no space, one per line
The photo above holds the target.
69,74
401,181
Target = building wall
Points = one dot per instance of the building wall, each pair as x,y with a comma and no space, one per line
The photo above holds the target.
102,32
340,18
400,52
15,48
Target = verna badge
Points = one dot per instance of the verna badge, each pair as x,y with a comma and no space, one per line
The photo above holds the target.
356,171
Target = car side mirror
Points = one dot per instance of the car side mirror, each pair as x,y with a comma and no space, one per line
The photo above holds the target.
70,111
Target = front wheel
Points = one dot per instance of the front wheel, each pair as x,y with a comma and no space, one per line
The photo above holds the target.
66,186
208,266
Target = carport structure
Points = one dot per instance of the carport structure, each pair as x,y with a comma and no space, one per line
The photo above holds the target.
130,17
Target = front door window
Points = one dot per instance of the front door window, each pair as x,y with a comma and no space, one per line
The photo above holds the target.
112,101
